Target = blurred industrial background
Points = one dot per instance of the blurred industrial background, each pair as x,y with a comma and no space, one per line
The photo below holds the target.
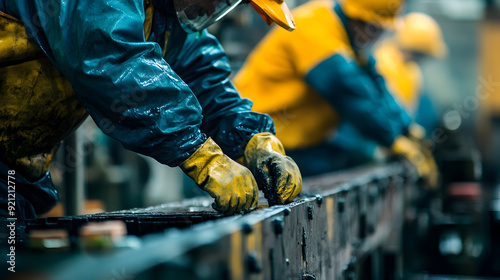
449,233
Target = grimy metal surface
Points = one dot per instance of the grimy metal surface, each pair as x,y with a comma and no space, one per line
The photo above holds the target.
343,226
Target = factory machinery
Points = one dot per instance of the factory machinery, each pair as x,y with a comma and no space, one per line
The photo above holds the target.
373,222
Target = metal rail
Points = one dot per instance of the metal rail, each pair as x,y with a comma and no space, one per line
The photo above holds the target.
344,226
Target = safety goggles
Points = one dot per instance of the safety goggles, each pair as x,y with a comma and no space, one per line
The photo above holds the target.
195,15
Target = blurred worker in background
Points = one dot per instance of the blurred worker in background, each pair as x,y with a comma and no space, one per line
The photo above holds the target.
150,77
398,58
318,76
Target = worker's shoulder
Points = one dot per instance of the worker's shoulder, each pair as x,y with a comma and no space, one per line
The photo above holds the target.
318,21
319,35
315,11
313,6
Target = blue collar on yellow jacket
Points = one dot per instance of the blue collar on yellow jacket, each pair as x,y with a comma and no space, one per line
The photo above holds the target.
343,18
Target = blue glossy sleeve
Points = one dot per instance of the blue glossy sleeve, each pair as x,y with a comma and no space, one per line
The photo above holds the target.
228,117
358,99
130,91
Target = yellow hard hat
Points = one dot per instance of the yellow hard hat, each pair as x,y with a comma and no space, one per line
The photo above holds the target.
274,11
379,12
421,33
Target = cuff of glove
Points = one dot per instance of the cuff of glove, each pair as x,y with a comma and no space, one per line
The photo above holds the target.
195,165
260,143
416,131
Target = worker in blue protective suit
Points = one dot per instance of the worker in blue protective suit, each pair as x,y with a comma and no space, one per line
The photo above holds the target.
150,77
316,78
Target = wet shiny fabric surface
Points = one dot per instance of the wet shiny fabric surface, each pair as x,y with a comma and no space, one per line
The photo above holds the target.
161,103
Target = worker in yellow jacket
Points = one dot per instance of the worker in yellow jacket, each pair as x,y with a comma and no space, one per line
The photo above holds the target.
398,60
313,78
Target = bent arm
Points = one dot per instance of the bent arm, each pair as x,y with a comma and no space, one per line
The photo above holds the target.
129,90
228,118
358,99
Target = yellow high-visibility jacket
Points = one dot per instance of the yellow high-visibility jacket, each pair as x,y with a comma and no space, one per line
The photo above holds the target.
310,79
404,79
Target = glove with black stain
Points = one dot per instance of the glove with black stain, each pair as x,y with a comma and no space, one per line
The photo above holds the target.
277,175
231,185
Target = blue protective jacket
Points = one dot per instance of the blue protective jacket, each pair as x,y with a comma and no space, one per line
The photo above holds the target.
160,102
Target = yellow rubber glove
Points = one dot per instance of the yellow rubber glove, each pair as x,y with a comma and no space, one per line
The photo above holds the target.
232,185
277,175
419,156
